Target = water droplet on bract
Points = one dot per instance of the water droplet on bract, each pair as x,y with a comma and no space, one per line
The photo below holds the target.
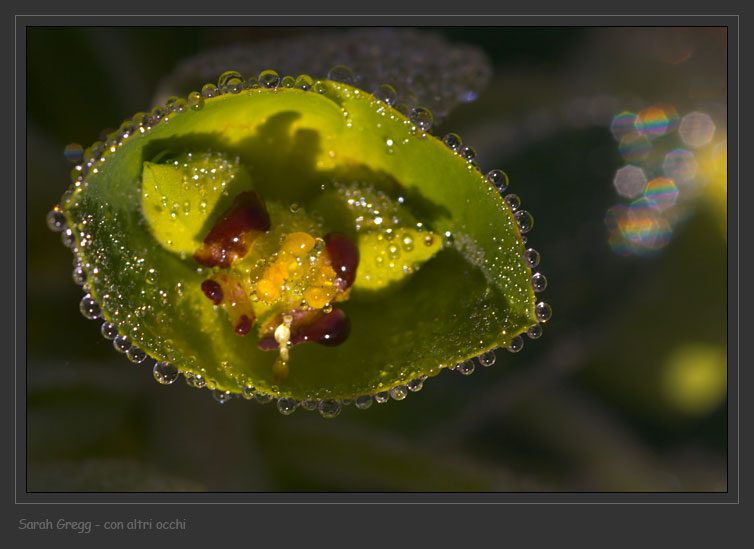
320,87
538,282
534,331
543,311
416,384
452,141
151,276
165,373
330,408
514,202
221,396
288,82
195,101
68,238
56,221
269,79
524,220
136,355
79,275
407,243
231,82
516,344
421,117
468,153
363,402
304,82
532,257
294,207
498,179
341,74
386,93
73,152
465,368
263,398
108,330
209,90
89,307
382,397
487,359
399,392
248,392
121,343
287,406
309,404
179,105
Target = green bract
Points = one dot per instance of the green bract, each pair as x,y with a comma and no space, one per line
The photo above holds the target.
442,275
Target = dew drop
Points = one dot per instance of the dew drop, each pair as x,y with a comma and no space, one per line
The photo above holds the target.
466,367
108,330
330,408
304,82
534,331
399,392
415,385
487,359
248,392
68,238
363,402
269,79
516,344
165,373
538,282
73,152
121,343
231,82
263,398
320,87
341,74
525,221
79,275
89,307
56,221
514,202
498,179
468,153
421,117
209,90
309,404
407,243
452,141
382,397
151,276
221,396
195,101
386,93
288,82
543,311
287,406
136,355
532,257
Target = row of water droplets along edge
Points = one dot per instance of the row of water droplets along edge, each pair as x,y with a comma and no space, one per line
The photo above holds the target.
232,82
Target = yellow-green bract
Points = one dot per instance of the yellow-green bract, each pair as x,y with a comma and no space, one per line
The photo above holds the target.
339,161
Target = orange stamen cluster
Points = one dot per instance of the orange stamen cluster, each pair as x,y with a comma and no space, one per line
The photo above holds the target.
320,277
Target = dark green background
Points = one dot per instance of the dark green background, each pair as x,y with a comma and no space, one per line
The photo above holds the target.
583,408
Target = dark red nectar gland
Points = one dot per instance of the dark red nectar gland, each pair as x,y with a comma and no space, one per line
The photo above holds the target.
344,259
213,291
230,238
